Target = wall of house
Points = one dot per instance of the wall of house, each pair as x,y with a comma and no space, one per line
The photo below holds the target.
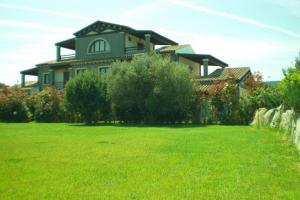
194,66
94,67
41,71
59,75
116,41
132,41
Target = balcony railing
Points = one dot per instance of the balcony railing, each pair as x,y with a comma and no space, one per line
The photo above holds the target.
67,56
133,50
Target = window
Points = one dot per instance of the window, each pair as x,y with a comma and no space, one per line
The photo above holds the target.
104,69
46,78
79,71
99,46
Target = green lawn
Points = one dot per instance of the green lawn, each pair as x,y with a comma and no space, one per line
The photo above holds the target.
65,161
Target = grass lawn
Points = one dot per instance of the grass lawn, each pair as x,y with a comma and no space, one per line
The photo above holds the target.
65,161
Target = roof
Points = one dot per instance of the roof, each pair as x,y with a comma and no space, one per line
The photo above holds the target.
212,61
100,26
176,48
238,73
69,44
32,71
221,74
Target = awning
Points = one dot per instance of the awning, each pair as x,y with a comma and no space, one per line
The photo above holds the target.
31,72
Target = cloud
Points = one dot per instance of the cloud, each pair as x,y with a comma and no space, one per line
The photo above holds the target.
33,25
245,20
49,12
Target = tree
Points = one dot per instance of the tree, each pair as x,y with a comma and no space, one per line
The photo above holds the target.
151,89
290,86
172,95
86,94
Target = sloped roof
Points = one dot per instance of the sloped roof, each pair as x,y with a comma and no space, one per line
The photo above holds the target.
172,48
221,74
212,61
100,26
238,73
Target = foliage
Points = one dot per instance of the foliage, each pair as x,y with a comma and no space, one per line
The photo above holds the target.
2,86
86,94
47,105
290,88
151,89
225,100
12,105
294,69
260,97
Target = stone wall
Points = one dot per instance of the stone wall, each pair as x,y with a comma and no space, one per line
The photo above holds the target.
287,121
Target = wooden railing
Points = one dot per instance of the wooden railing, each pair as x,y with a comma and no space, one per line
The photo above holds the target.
133,50
67,56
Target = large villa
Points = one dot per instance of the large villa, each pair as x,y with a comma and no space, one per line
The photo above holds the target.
99,44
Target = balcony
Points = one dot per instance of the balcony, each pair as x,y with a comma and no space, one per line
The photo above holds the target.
67,57
134,50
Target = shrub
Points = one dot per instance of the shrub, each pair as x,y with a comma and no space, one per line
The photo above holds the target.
290,88
86,94
151,89
224,99
47,106
12,105
260,97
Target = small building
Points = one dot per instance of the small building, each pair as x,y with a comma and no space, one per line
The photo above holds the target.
98,45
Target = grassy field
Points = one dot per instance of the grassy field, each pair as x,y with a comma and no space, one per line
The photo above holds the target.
65,161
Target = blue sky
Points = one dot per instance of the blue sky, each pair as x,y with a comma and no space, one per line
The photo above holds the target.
261,34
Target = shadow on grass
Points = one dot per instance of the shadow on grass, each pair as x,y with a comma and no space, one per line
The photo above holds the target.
142,125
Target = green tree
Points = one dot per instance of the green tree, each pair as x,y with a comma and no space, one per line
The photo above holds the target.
290,86
86,94
150,88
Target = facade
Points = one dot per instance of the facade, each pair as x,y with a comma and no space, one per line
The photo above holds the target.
96,46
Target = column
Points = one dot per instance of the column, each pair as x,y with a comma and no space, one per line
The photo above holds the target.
22,80
123,44
205,65
51,77
147,42
199,70
70,70
58,55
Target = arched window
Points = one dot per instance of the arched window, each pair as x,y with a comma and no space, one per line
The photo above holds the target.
99,46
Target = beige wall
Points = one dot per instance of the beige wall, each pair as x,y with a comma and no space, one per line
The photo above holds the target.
193,65
134,41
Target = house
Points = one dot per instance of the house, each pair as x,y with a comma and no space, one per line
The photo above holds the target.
99,44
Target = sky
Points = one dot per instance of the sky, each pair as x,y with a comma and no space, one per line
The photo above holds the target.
261,34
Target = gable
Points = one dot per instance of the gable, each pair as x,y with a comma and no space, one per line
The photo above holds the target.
100,27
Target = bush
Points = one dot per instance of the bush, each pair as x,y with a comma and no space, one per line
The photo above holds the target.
224,98
260,97
47,105
151,89
12,105
86,95
290,88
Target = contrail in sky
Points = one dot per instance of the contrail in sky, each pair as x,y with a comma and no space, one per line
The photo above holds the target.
244,20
